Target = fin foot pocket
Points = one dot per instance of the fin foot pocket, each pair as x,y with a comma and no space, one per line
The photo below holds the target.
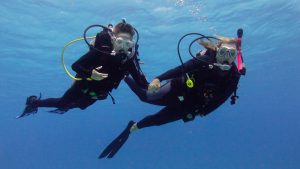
30,108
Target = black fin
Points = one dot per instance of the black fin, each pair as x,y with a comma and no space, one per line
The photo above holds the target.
29,109
58,111
117,143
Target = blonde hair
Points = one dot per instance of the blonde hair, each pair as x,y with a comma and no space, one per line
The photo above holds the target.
213,45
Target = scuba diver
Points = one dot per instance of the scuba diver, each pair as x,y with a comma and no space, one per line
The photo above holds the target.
195,88
115,53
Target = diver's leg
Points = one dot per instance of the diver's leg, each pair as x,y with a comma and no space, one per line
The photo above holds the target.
156,98
50,102
164,116
67,101
85,102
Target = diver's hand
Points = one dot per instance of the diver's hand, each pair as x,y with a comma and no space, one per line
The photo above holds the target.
154,86
97,75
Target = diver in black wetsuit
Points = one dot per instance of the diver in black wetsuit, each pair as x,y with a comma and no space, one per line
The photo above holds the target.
212,85
114,53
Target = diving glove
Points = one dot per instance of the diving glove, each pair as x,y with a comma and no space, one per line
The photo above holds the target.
154,86
97,75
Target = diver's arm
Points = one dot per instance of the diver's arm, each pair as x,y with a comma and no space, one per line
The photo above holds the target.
136,73
188,66
204,57
178,71
193,64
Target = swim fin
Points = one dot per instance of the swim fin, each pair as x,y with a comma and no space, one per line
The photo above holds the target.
117,143
59,111
29,108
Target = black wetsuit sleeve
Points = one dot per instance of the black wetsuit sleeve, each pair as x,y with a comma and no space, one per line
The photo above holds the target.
136,73
83,65
185,68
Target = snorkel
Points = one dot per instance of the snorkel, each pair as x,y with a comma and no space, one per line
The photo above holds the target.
240,61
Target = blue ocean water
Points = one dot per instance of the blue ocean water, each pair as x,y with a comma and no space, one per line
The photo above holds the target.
261,131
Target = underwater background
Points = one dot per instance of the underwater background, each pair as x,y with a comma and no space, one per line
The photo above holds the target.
260,132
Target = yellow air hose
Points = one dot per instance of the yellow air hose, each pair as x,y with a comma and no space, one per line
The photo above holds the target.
63,58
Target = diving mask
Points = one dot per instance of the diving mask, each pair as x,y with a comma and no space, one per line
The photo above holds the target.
122,42
226,54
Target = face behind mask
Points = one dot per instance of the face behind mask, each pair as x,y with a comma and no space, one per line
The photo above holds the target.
226,54
122,42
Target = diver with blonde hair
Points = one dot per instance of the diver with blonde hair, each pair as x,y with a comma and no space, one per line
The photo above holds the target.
195,88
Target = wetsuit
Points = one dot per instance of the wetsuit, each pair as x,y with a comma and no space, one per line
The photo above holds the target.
84,93
213,87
